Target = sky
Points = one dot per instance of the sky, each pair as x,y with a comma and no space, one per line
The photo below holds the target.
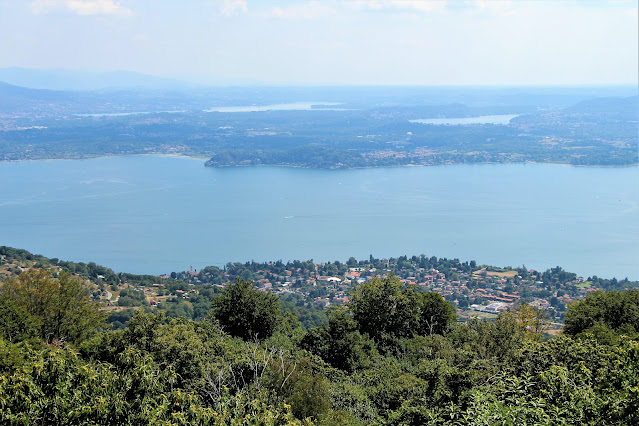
376,42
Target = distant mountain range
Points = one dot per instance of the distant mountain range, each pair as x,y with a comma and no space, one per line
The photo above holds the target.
16,98
64,79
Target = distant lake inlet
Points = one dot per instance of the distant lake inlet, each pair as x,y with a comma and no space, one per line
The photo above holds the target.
293,106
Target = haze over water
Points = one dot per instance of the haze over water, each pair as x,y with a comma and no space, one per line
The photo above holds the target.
160,214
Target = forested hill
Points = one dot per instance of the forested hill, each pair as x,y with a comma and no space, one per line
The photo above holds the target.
615,108
336,127
394,354
583,134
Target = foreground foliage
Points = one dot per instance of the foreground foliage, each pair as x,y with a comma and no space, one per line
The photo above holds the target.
414,366
36,303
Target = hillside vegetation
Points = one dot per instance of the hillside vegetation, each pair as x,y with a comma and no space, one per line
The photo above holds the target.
393,354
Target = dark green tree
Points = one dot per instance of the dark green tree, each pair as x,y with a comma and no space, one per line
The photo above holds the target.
434,313
380,308
386,308
245,312
340,343
617,311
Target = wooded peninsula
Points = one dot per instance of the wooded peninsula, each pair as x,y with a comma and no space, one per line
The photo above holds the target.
349,128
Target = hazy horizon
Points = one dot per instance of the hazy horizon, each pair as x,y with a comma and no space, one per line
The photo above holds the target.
331,43
55,79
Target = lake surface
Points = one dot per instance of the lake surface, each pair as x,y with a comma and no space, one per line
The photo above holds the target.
484,119
293,106
161,214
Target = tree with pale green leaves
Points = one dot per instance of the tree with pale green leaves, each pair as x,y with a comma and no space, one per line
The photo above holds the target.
57,307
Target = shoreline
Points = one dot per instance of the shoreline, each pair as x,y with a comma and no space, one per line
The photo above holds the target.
206,158
92,157
536,267
426,165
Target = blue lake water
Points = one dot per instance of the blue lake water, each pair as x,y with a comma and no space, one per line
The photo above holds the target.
161,214
293,106
484,119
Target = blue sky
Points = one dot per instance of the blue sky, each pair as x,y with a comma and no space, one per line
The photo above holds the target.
455,42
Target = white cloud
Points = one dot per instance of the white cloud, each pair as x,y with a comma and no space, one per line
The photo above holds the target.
424,6
309,10
81,7
233,7
97,7
43,6
497,7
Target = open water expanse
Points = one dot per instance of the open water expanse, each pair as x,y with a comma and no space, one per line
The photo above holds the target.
160,214
293,106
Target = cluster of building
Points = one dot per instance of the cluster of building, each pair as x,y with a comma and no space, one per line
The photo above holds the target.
469,287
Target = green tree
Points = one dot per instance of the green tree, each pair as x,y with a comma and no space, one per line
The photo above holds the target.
340,343
605,315
310,397
434,313
16,324
385,308
245,312
59,306
615,310
380,308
